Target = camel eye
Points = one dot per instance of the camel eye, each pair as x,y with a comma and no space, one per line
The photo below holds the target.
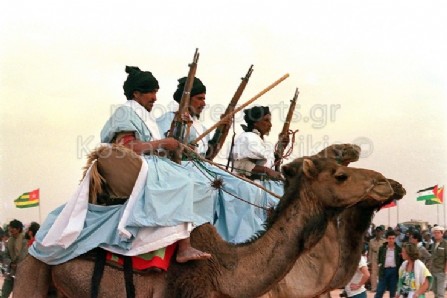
341,177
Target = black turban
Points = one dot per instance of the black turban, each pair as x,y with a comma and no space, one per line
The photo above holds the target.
138,80
253,115
197,88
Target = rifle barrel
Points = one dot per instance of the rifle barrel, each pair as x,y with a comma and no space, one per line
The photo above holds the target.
271,86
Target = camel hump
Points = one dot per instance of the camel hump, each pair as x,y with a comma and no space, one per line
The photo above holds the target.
115,171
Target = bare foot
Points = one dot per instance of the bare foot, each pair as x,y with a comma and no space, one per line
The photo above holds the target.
191,254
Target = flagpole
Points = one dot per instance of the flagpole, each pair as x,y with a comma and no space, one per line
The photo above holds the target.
437,211
397,205
443,205
40,217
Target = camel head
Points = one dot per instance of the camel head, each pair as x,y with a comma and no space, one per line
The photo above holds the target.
342,153
335,185
398,193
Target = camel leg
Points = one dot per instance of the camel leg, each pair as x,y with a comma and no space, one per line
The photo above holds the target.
32,278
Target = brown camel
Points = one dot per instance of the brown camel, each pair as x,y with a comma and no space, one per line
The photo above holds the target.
331,263
319,186
314,270
343,154
353,235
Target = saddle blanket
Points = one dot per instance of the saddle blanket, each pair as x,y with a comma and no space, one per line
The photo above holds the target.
159,258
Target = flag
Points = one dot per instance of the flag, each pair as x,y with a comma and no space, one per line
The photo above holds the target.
427,193
28,199
439,196
393,203
433,201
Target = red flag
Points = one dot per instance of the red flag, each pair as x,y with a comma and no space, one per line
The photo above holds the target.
439,193
34,195
389,205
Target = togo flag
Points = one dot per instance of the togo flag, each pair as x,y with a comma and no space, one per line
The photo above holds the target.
28,199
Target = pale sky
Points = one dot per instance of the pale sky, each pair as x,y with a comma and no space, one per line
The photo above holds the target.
369,72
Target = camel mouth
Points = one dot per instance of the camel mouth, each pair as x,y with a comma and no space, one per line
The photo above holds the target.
381,191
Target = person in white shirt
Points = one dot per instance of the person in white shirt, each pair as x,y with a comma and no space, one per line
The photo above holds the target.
252,156
356,287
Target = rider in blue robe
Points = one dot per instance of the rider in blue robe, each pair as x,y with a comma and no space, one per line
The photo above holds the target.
165,204
236,220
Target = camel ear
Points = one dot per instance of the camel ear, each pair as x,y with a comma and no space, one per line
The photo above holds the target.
309,168
289,170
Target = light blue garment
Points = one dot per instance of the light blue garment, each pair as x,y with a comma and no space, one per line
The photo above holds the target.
239,212
171,195
100,227
235,220
164,123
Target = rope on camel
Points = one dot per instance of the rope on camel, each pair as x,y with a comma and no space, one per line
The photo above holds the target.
198,160
289,151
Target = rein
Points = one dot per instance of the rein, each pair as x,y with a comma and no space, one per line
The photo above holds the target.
368,190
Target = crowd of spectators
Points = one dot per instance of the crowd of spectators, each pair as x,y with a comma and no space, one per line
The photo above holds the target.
385,257
15,239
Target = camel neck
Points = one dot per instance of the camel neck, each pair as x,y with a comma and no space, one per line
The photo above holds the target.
304,229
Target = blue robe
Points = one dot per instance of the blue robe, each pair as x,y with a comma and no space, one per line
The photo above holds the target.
235,220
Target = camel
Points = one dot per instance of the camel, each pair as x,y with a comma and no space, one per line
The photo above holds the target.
316,191
331,263
353,236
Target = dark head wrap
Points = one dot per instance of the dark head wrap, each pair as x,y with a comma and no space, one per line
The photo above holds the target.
138,80
16,224
253,115
197,88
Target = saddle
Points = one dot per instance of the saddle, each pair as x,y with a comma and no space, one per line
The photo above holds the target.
149,263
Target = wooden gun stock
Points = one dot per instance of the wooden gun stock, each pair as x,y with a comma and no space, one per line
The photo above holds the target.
179,127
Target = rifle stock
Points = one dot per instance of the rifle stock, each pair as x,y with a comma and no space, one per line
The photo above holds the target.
279,151
222,130
179,127
241,107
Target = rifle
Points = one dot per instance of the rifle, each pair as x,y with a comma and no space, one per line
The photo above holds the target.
215,144
279,148
179,127
250,101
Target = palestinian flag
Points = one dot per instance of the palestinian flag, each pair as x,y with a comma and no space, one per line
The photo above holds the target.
28,199
439,196
427,193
